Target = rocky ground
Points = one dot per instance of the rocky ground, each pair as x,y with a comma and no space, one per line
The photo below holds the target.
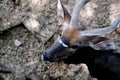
22,52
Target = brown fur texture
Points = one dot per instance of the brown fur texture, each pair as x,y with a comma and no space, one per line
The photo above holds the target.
72,34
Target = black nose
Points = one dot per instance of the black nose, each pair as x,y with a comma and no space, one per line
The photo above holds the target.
46,58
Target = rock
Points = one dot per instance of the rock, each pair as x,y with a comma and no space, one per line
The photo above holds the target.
4,69
17,43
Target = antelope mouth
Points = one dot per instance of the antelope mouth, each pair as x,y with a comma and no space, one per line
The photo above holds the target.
48,61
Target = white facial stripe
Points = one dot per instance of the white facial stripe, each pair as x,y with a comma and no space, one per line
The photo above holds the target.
63,44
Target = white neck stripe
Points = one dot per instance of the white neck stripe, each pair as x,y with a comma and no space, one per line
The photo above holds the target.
63,44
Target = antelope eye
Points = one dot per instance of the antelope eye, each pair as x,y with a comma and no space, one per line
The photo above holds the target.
74,46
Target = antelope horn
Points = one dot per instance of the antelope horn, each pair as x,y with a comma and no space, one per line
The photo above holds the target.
75,14
102,31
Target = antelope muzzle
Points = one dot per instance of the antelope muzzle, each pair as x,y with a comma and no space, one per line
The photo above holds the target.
58,51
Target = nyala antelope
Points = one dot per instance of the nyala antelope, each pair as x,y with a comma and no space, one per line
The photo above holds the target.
100,54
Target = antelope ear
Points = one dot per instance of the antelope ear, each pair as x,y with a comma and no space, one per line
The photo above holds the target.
103,45
62,14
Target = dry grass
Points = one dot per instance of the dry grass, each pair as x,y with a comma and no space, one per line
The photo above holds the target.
26,58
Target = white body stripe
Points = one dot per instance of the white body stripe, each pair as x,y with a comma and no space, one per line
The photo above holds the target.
63,44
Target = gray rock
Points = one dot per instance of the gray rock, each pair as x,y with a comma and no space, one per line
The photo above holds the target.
17,43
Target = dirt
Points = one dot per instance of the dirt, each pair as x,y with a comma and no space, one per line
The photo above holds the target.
25,60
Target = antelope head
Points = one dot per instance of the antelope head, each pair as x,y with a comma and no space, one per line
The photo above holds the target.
71,37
